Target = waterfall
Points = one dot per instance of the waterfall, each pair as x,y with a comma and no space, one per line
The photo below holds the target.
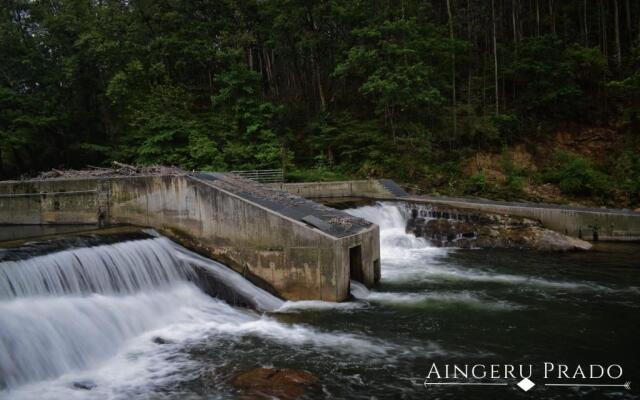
407,258
358,290
42,338
70,310
125,267
395,242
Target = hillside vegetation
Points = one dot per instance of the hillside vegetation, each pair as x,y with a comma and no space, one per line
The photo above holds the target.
512,99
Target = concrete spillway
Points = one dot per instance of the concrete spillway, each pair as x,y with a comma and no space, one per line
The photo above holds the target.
286,244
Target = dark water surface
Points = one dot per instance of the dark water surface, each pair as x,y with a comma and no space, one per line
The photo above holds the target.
432,306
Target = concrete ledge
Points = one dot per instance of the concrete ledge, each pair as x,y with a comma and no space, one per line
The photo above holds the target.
371,188
585,223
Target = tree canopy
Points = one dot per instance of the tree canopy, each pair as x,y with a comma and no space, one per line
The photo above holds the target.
353,88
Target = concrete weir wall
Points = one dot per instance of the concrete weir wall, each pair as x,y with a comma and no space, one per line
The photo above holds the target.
585,223
291,246
371,188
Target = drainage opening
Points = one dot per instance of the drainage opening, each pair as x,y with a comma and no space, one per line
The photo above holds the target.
355,264
376,270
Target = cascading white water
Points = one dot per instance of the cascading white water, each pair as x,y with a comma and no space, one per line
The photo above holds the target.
407,258
358,290
70,309
125,267
44,337
395,242
66,313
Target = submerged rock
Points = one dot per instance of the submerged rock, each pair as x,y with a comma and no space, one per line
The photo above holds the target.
454,228
161,340
84,384
266,383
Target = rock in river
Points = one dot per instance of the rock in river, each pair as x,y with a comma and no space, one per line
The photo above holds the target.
457,228
267,383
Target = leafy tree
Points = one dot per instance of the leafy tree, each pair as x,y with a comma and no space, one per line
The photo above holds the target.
360,88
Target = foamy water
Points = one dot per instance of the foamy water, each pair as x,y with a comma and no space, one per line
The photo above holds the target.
407,259
68,318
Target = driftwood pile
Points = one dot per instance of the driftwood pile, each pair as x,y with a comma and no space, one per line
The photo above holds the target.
117,169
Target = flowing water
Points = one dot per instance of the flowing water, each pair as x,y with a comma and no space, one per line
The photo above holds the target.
126,320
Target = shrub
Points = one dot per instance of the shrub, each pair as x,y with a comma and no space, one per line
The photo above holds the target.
515,175
576,175
626,170
476,183
318,174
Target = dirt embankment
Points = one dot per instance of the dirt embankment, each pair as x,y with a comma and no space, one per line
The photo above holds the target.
518,171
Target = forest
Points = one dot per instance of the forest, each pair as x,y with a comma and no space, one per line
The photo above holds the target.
507,99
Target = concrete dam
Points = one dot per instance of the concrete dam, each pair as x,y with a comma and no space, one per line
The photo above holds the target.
273,235
283,243
138,309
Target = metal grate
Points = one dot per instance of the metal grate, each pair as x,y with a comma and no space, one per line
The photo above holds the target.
262,175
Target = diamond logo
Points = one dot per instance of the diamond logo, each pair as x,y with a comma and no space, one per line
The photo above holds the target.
526,384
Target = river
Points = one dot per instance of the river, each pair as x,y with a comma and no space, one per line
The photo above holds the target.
124,320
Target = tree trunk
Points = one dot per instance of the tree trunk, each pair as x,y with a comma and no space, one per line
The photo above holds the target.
553,17
471,56
515,25
616,23
603,30
586,24
323,102
639,27
316,73
495,56
537,17
515,43
276,86
627,12
453,71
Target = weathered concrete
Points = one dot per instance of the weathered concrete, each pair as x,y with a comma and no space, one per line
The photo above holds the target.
584,223
371,188
247,226
454,227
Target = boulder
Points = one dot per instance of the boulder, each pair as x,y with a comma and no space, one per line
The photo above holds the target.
454,228
548,240
161,340
84,384
267,383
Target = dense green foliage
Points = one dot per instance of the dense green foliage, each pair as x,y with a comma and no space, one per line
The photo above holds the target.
325,89
576,175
